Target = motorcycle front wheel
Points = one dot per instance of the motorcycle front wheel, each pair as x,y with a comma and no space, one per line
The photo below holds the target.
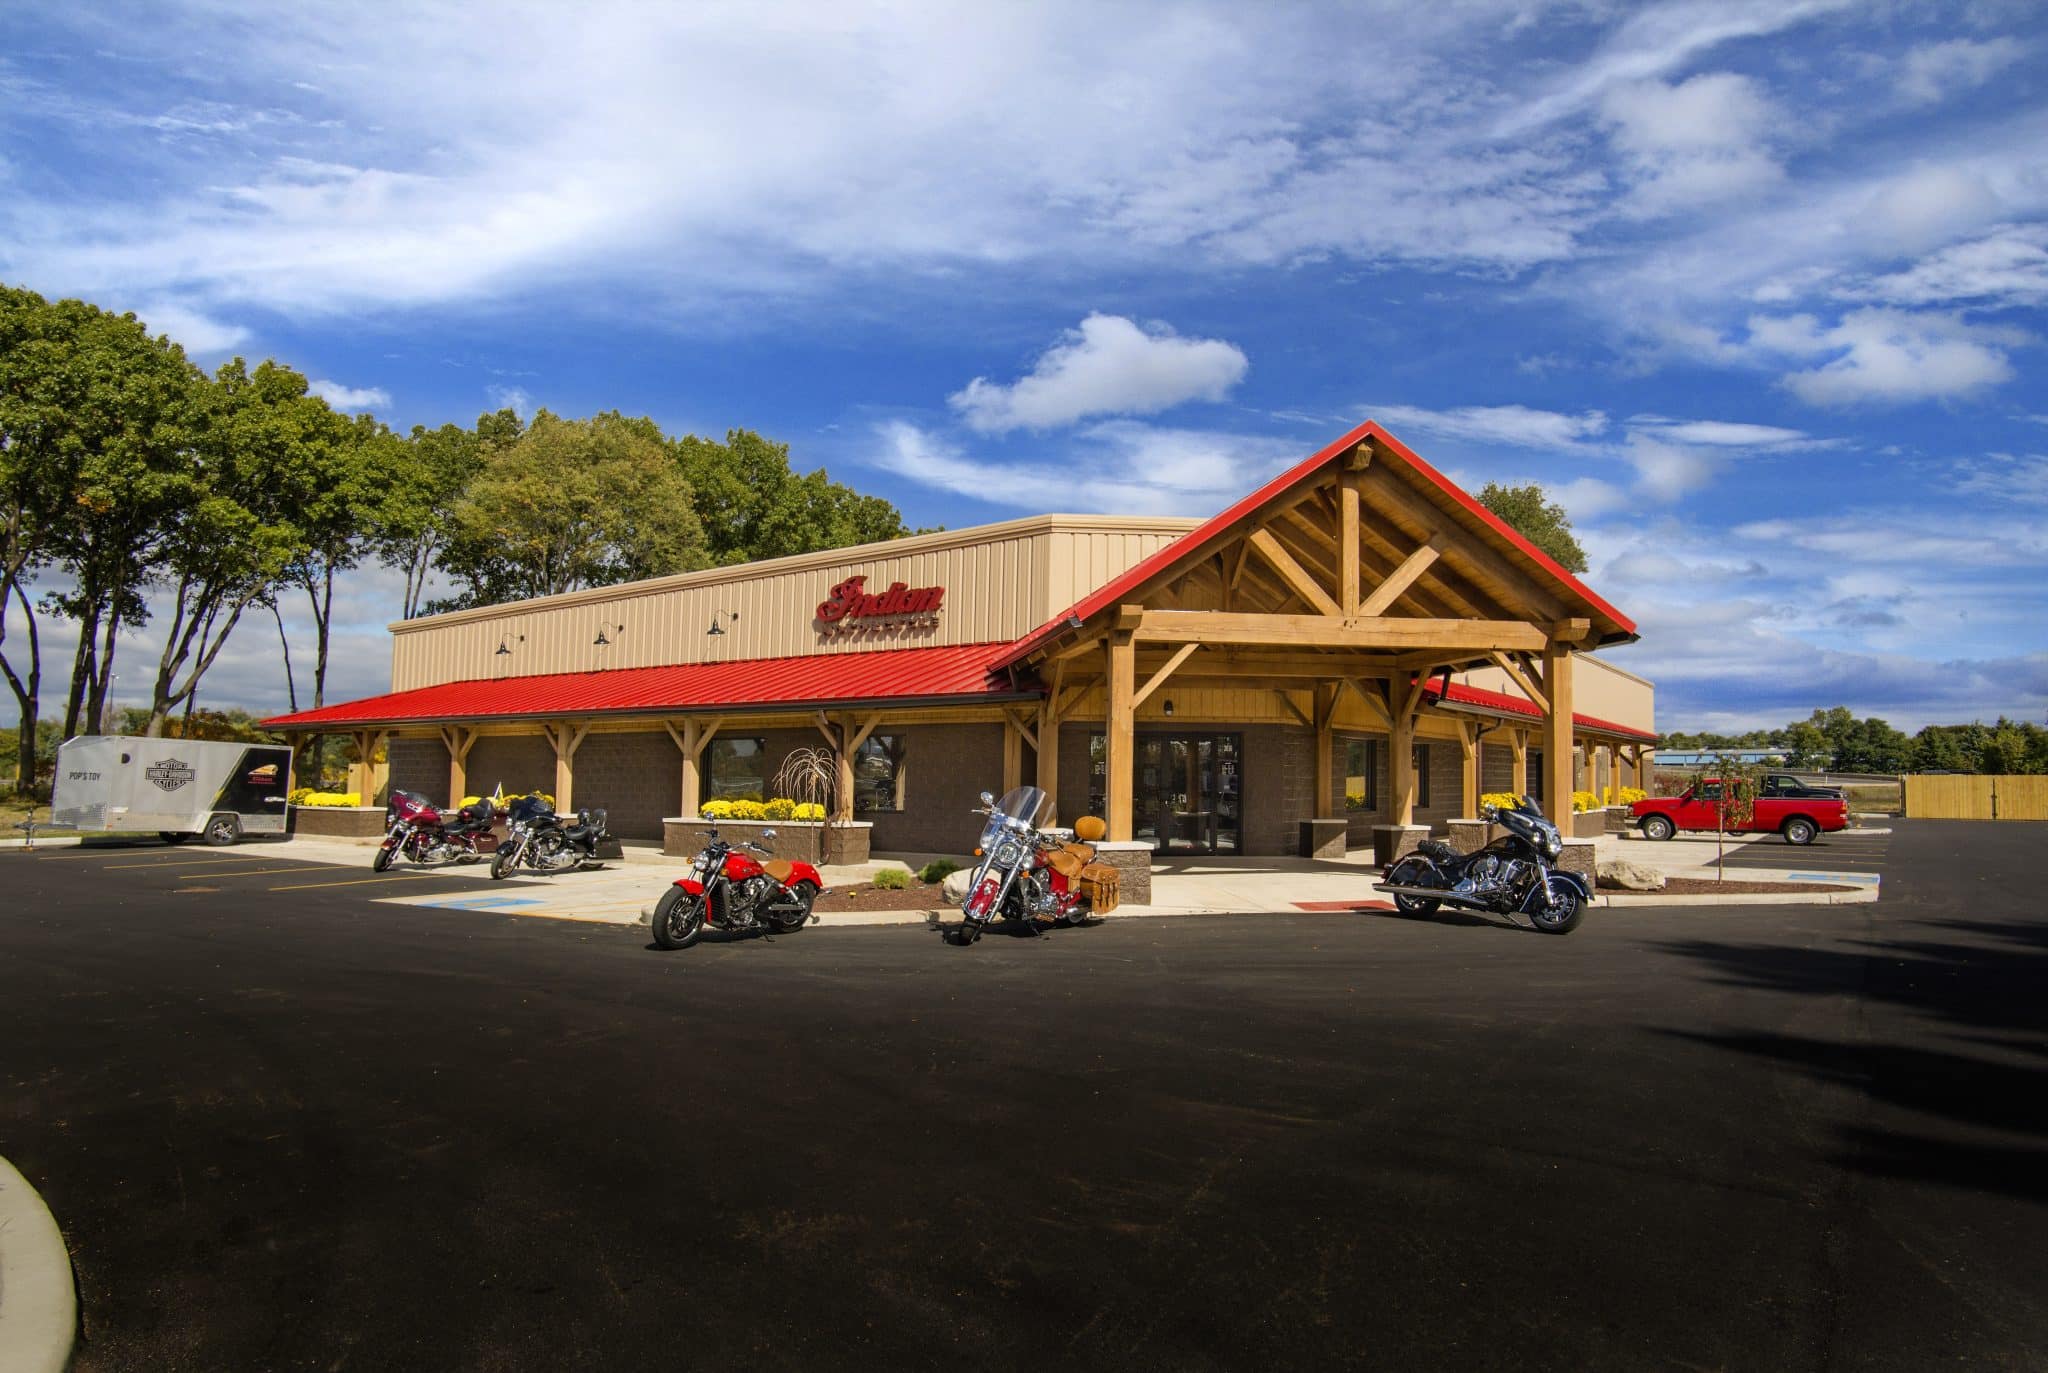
1563,914
501,861
382,860
1411,871
678,919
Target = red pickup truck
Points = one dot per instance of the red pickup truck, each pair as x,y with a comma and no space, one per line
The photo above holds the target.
1798,818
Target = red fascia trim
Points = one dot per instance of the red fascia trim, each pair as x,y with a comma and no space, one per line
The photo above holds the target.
1460,694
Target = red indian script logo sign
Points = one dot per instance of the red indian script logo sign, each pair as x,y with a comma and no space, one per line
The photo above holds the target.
852,606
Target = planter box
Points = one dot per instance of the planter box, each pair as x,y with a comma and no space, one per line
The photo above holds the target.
338,822
1578,857
682,836
1391,843
1586,824
1132,860
1470,836
1324,838
1620,820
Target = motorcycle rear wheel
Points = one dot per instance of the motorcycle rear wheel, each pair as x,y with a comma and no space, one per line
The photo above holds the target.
678,919
789,922
1410,871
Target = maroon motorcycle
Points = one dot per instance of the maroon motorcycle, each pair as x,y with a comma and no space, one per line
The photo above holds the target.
416,830
729,890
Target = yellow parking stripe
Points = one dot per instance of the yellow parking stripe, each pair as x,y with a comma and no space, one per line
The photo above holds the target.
352,882
258,872
195,860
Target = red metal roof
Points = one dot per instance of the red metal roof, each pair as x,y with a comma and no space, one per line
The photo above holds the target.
1460,694
962,672
1113,591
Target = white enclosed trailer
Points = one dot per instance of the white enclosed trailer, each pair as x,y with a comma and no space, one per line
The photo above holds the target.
122,784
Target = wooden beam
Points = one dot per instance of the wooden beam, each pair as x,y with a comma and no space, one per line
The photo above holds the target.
1513,585
1049,751
1402,577
1075,650
1022,726
1518,740
1326,748
1372,698
1158,679
1216,627
1347,546
1120,736
1468,748
1506,664
1293,572
1572,631
1287,699
1013,755
1557,734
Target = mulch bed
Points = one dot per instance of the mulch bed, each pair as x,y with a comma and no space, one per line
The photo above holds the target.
1707,886
918,896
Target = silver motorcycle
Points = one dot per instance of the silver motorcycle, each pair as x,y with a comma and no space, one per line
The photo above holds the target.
1026,873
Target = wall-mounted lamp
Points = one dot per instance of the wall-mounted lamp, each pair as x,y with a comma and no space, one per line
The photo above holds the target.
718,615
505,646
601,641
1168,708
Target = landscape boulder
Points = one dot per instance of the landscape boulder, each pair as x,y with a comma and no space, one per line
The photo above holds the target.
1628,876
954,888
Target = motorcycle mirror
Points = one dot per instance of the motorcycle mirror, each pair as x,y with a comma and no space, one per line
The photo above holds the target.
988,798
767,834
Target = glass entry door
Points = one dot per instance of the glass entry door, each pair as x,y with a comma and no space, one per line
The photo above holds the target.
1187,793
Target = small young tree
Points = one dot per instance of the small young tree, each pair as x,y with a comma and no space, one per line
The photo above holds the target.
1734,786
810,776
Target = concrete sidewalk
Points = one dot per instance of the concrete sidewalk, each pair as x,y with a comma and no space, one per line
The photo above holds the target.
38,1303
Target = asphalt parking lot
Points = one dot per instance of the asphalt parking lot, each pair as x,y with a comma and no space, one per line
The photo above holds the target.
1843,852
286,1126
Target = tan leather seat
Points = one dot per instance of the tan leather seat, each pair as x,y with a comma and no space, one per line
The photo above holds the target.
779,869
1068,859
1089,828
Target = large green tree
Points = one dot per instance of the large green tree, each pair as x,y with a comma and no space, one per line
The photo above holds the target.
273,457
1529,511
754,506
572,503
349,475
418,513
99,423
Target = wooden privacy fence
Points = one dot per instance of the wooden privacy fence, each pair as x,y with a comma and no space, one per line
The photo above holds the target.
1976,798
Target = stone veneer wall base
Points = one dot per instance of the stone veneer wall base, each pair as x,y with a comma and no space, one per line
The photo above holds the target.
338,822
1132,860
682,836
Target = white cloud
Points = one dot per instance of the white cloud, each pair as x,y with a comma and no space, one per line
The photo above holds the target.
513,398
1924,205
2004,268
2017,477
1516,425
1108,366
1887,357
200,333
1694,143
351,397
1938,70
1722,433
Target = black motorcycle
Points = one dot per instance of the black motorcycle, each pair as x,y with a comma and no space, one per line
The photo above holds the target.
1515,874
540,841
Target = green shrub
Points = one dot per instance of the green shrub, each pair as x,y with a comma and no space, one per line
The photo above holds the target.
937,870
892,879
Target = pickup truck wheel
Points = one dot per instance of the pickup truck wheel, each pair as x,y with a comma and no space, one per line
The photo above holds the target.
1658,827
1799,830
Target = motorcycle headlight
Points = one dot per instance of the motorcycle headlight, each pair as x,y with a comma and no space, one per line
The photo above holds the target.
1008,853
1553,844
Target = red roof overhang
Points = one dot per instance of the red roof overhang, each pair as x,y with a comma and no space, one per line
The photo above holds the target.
1192,543
959,674
1499,702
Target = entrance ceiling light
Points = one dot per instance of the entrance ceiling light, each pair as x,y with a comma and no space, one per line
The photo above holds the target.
1168,708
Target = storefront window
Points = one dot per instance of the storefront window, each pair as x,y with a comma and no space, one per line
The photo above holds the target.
736,770
1362,774
878,773
1421,774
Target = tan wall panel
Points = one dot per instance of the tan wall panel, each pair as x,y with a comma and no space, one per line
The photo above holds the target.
1001,582
1599,689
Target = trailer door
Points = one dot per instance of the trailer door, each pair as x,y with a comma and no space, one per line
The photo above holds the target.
257,788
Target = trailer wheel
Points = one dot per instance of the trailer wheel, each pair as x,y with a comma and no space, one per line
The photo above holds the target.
223,829
173,836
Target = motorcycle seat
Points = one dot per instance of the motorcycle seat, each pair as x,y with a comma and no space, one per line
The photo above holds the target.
779,869
1437,850
1068,859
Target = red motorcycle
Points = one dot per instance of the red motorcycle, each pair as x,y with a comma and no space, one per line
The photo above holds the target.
728,890
415,830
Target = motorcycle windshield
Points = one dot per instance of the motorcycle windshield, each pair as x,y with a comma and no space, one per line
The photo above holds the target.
1028,805
1530,806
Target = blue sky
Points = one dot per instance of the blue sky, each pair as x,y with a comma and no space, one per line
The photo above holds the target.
1759,290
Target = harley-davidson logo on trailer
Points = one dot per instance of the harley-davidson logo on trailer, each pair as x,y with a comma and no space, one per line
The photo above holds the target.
852,605
170,774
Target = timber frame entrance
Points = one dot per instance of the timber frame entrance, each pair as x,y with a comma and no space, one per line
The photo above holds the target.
1344,587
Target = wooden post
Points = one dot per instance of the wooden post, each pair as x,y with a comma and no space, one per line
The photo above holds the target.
459,741
1119,734
1347,545
1049,751
1468,747
1401,762
1326,745
1557,732
1013,755
566,737
1518,740
690,742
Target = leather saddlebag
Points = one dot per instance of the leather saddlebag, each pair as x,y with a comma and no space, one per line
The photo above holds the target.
1099,882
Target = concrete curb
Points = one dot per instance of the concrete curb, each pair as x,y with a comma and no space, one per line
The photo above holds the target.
38,1302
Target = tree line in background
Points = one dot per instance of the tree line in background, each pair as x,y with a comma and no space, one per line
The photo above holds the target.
1837,740
125,470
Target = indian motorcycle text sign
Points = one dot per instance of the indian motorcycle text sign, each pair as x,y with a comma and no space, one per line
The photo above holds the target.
852,608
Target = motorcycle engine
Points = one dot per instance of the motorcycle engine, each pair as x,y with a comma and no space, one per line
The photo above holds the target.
1038,894
1481,878
743,898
